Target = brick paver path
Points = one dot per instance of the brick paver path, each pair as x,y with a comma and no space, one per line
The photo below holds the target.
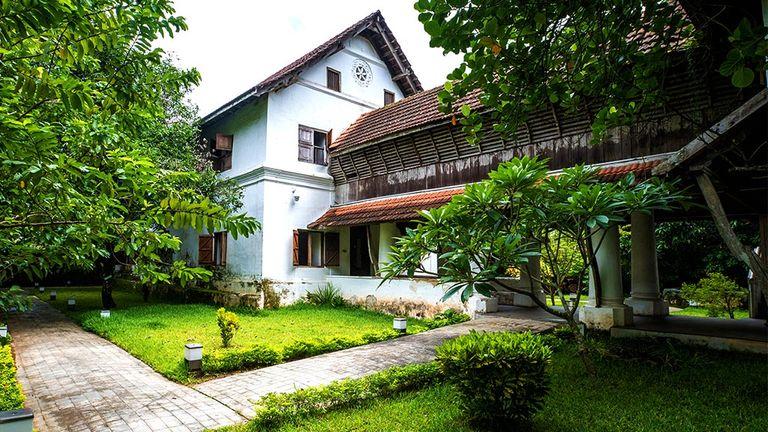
239,391
77,381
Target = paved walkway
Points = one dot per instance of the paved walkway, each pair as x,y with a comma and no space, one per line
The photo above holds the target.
240,391
77,381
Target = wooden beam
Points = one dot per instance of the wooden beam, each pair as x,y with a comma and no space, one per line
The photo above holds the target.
403,70
711,135
723,225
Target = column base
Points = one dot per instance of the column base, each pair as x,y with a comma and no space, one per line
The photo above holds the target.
605,317
648,307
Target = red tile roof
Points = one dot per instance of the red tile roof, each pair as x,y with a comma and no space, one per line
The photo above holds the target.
399,208
406,114
406,207
325,49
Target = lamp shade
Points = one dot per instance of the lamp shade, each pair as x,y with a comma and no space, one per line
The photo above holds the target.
400,324
193,352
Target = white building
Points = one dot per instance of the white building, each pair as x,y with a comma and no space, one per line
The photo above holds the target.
273,140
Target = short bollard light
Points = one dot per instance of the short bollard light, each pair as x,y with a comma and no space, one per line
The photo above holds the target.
105,313
3,331
193,355
41,289
16,421
53,295
400,325
71,303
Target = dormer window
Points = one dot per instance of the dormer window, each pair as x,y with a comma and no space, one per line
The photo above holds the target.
334,79
389,97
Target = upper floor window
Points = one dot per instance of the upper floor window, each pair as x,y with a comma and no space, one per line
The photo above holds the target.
389,97
312,145
334,79
222,152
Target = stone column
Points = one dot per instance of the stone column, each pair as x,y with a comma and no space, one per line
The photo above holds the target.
646,298
610,311
527,280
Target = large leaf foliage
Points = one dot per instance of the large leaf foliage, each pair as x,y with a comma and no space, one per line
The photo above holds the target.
490,232
80,87
607,59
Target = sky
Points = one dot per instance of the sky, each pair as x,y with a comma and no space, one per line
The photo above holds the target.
236,43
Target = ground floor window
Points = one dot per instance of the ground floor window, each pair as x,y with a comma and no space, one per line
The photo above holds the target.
315,248
212,249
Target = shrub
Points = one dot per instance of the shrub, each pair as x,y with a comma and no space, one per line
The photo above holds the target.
674,298
12,397
717,293
447,317
327,295
229,324
275,409
257,356
501,377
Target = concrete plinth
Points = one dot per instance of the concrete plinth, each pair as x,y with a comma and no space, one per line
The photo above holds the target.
526,301
648,307
605,317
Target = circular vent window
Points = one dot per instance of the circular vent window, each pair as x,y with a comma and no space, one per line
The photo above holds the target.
362,72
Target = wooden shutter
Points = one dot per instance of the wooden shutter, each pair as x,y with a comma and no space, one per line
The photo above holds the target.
205,249
224,142
333,79
226,162
306,139
389,97
328,138
295,247
331,252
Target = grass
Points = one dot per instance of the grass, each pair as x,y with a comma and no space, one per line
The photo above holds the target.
702,312
708,391
156,332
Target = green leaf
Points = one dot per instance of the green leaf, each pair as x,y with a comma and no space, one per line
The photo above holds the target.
742,77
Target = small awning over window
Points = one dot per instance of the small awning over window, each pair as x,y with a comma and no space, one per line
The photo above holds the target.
406,207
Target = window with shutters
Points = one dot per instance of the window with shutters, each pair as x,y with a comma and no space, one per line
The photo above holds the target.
313,144
389,97
212,249
315,248
222,152
333,79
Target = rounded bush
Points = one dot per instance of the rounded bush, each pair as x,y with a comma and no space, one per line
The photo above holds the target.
502,377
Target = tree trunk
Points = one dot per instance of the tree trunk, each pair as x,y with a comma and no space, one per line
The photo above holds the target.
741,252
107,301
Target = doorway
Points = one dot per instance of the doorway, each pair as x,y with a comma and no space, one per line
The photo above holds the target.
359,258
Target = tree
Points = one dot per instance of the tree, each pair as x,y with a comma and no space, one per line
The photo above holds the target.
520,212
80,86
525,55
717,293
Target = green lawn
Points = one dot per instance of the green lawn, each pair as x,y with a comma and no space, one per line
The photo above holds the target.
156,332
702,312
709,391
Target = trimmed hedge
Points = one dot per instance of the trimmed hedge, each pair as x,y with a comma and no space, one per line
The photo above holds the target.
259,356
275,409
10,389
501,377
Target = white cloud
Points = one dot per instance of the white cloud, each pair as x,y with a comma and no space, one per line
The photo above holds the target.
236,43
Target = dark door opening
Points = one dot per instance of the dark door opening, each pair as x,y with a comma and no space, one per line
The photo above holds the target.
359,258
